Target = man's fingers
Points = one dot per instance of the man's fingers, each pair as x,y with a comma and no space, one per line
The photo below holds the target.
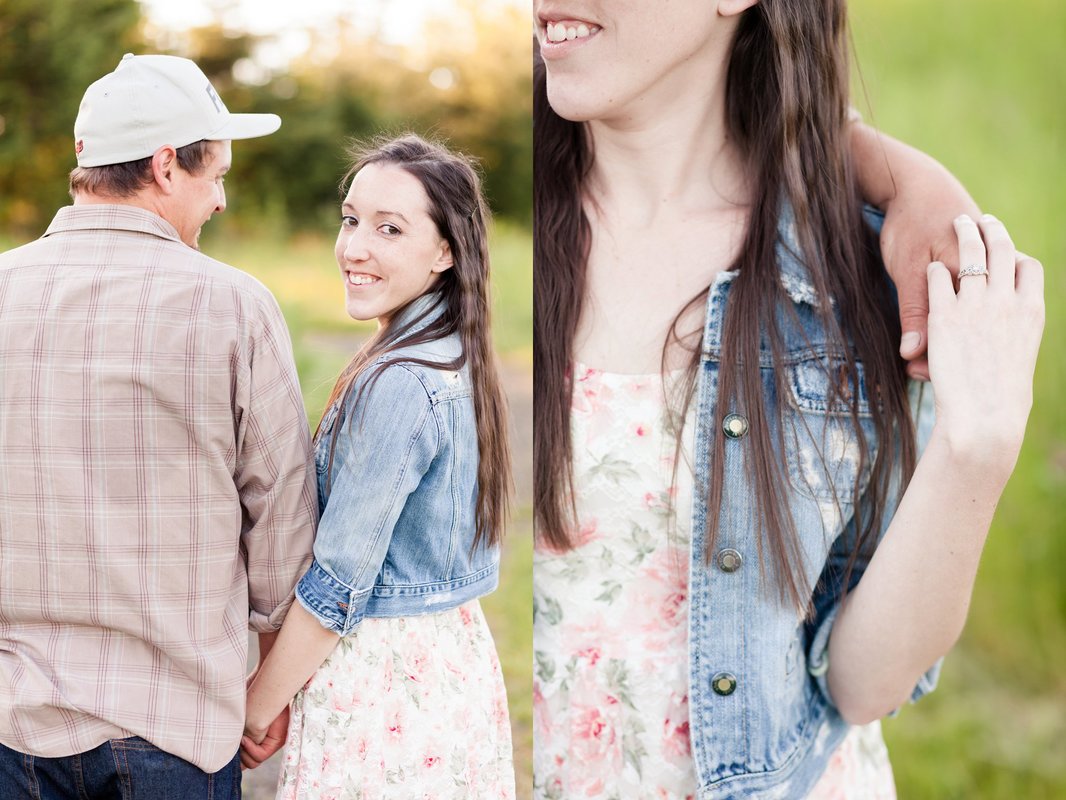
247,762
918,369
941,287
913,292
257,752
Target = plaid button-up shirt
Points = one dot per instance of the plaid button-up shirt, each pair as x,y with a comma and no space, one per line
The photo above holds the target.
156,493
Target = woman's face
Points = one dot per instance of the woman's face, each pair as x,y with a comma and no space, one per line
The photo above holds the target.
389,249
605,57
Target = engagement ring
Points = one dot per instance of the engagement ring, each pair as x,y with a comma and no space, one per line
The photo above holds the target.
973,269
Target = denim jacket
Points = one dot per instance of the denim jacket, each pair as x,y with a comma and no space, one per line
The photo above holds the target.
398,512
762,721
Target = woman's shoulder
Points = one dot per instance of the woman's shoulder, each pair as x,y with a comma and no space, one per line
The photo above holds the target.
430,364
425,370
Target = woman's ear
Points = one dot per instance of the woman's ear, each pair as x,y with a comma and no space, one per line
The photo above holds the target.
730,8
444,260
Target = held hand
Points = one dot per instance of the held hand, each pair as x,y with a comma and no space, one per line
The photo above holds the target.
257,745
918,230
983,342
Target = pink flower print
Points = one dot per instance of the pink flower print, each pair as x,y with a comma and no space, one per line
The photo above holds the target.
588,532
416,663
590,655
430,761
465,616
595,789
640,429
673,610
542,717
593,739
394,723
583,374
641,384
676,743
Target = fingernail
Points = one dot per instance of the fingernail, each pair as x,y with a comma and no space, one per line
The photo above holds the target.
963,218
987,218
910,340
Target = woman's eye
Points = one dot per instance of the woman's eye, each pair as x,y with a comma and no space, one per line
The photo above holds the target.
389,229
348,221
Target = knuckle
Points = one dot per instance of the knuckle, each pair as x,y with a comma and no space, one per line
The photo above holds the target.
913,308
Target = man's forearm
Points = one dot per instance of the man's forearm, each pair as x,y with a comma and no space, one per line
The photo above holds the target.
882,162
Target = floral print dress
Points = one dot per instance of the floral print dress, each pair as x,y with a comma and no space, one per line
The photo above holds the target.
610,630
406,707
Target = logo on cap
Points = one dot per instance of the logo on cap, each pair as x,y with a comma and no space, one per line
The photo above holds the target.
214,98
78,147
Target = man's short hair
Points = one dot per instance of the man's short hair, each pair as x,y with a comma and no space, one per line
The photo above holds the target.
128,178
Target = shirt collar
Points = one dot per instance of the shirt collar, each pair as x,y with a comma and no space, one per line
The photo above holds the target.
111,217
431,304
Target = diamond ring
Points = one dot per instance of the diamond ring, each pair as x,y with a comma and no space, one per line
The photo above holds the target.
973,269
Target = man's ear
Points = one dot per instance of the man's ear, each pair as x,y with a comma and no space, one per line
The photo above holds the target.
444,260
164,163
730,8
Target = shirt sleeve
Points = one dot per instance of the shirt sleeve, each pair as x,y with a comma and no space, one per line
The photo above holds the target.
273,476
386,442
827,595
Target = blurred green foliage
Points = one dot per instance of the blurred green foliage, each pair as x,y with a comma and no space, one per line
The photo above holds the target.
466,79
46,63
980,85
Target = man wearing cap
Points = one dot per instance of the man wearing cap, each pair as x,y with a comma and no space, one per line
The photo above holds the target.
155,493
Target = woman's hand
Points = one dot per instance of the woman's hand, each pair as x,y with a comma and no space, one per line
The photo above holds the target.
260,741
983,343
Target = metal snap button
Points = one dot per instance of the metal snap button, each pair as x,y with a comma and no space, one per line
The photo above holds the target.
724,683
735,426
729,560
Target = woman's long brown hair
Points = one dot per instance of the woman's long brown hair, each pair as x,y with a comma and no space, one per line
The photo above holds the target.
786,107
459,210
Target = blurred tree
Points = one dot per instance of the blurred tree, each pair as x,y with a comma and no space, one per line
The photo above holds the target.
46,63
465,79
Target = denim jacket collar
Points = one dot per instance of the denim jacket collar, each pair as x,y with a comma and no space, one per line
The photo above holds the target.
423,310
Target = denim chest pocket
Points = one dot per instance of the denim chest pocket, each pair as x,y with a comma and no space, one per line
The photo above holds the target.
323,438
821,439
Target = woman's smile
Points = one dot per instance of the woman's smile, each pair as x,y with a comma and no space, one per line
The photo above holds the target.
560,36
360,279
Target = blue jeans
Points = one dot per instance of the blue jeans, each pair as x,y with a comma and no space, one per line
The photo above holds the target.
121,769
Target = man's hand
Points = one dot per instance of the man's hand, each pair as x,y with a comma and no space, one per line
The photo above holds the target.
257,747
918,230
921,201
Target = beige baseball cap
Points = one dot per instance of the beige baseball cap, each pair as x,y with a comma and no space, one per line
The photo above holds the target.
151,101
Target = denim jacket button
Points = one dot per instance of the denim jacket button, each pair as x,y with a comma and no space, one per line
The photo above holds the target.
735,426
729,560
724,683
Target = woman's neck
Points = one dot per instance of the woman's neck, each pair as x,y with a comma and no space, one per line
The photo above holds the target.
670,153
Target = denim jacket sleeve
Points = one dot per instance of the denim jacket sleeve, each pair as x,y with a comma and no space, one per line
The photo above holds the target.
827,595
386,440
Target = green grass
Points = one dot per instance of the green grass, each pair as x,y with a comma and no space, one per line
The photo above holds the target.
980,85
